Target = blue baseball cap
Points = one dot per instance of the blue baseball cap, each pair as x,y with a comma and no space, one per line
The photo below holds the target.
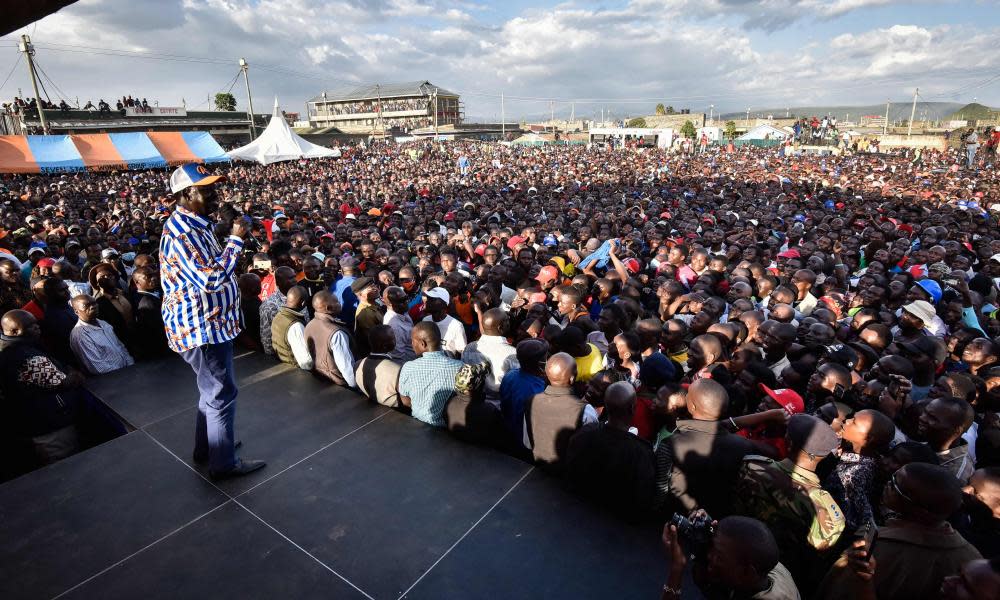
550,240
188,175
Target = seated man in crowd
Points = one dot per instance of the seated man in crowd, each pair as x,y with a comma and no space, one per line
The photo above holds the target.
377,374
494,349
94,342
696,467
288,330
150,335
468,415
329,341
43,396
284,280
608,462
552,416
428,382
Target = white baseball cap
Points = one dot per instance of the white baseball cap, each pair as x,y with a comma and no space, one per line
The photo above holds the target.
439,293
191,174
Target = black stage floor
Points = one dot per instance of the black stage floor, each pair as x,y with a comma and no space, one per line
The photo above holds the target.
357,501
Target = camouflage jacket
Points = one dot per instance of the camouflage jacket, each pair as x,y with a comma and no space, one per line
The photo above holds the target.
790,501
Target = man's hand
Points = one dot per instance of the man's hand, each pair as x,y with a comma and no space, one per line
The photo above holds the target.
241,228
860,563
672,546
777,415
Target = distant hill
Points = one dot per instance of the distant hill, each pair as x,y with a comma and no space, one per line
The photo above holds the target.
897,111
974,111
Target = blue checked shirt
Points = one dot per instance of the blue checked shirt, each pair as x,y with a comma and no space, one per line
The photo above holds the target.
201,301
429,381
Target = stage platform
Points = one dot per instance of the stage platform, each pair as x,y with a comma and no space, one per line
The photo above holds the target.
357,501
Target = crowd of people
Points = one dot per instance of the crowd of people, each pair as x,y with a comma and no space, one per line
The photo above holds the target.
20,105
789,364
374,106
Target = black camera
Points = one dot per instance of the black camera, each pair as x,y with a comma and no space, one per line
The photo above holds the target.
695,533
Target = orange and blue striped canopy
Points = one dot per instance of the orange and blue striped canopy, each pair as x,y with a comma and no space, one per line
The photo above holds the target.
66,153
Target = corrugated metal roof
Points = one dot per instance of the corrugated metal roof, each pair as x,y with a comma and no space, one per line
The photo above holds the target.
385,90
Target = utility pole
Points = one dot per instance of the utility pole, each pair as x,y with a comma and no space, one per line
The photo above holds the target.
503,119
435,112
711,114
246,80
748,116
29,51
552,115
913,111
572,112
885,125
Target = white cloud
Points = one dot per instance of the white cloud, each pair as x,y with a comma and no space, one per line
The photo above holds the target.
645,50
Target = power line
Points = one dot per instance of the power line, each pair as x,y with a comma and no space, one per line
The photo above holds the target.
63,95
16,62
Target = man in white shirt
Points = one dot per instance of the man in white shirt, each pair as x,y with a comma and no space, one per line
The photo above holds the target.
436,302
397,318
330,342
94,342
492,347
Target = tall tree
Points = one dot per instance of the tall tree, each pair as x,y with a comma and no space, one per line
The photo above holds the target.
660,109
731,129
225,101
688,130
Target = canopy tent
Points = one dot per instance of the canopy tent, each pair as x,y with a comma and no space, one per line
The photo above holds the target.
533,139
64,153
278,142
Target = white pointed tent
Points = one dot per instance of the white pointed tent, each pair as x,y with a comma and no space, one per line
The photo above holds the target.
278,142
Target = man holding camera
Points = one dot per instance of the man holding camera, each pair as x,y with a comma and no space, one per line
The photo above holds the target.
201,312
739,560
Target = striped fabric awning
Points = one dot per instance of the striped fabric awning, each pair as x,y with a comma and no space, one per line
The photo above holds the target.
65,153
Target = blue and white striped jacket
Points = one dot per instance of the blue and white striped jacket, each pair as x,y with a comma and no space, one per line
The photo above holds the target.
201,301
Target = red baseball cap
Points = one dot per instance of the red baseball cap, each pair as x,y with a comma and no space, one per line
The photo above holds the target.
790,400
547,274
514,241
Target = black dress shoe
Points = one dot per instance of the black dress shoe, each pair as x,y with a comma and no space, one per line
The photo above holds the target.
243,467
204,459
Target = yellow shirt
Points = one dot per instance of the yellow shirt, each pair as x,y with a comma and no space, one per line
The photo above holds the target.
588,366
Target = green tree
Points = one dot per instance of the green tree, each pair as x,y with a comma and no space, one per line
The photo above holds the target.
225,101
660,109
688,130
731,129
636,122
671,111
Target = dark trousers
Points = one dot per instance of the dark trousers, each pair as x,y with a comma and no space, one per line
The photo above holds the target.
213,434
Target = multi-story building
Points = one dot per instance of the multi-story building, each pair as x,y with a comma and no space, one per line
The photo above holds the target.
374,108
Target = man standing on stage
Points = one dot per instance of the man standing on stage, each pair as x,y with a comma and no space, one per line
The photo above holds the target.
201,312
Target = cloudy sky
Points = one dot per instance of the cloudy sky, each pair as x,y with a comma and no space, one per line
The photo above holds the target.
582,55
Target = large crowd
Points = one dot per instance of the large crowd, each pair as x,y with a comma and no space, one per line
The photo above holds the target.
789,364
